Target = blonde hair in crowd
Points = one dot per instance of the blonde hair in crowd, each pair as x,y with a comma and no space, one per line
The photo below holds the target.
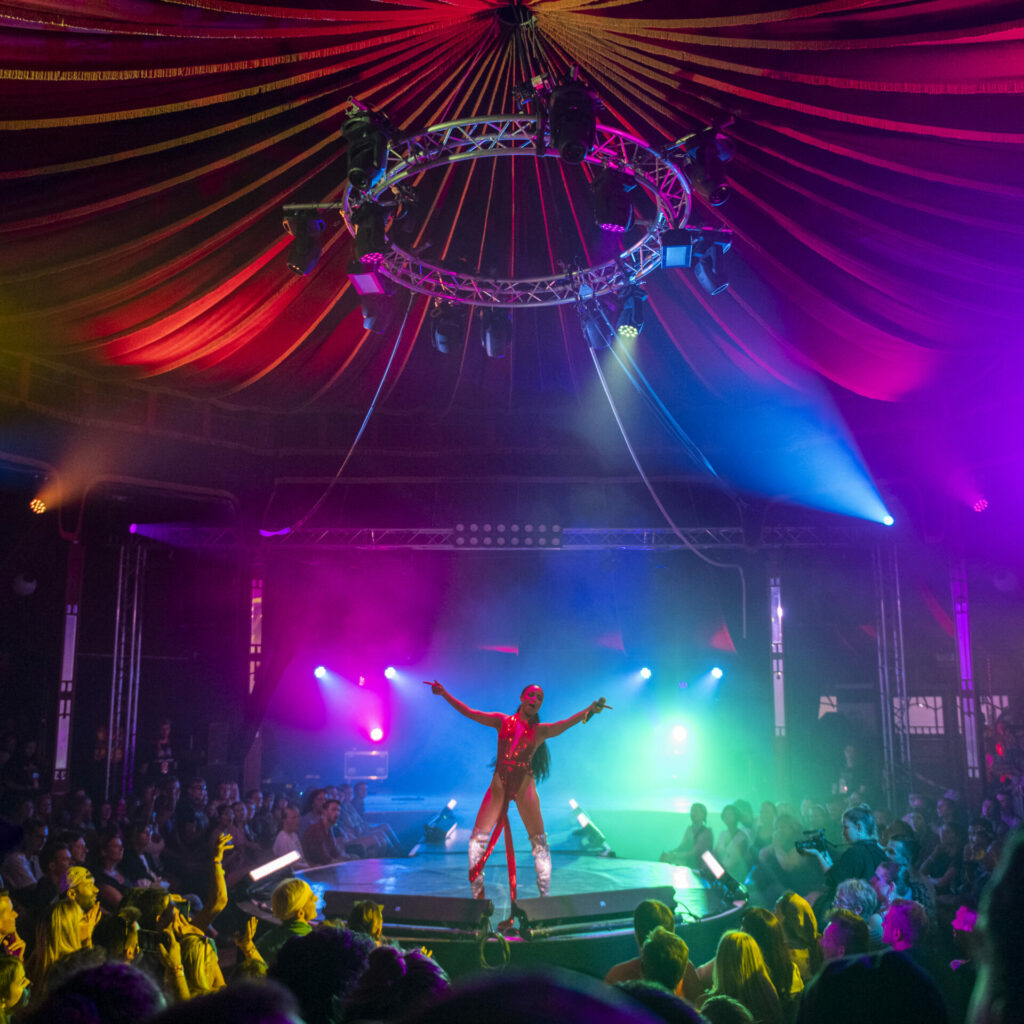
289,897
740,972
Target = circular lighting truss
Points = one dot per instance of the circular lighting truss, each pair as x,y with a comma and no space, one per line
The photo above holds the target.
495,136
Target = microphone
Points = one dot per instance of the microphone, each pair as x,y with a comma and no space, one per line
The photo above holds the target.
601,705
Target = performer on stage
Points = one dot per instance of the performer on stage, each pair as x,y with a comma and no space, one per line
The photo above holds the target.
522,761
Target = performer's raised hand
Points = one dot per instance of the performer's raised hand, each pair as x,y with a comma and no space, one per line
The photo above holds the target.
596,708
435,687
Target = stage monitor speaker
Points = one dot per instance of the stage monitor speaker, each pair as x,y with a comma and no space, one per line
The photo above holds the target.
439,911
549,911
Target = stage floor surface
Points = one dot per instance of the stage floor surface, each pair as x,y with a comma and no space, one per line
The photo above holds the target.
442,870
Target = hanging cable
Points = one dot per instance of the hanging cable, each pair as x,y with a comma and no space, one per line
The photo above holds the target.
644,389
657,501
366,420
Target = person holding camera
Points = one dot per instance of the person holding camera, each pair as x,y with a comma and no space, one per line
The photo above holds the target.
858,860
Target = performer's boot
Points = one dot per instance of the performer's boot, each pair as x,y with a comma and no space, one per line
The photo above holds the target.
542,862
477,845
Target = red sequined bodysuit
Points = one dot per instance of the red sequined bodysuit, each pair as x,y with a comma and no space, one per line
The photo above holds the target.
513,766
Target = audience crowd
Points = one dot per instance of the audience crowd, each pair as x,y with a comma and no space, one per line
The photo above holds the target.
119,912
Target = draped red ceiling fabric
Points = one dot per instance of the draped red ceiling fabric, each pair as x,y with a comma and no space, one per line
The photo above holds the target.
878,199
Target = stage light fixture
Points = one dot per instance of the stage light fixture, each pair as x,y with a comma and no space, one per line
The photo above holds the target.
713,871
679,734
442,824
376,734
275,865
645,673
447,326
887,520
595,325
705,164
307,242
630,320
572,119
495,332
365,280
391,672
677,246
613,209
320,672
717,673
370,221
709,260
37,505
366,135
590,836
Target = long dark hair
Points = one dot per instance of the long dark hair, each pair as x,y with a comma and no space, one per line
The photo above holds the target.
540,763
766,931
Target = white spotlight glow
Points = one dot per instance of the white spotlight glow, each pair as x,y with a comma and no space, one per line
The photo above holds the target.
717,673
376,734
679,734
320,672
887,520
645,673
391,672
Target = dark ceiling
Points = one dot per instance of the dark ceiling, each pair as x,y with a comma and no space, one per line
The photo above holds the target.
151,334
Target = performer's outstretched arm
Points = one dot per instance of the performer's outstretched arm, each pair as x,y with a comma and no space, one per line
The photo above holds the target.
548,729
491,718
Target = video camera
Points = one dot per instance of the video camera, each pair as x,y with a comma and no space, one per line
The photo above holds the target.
815,841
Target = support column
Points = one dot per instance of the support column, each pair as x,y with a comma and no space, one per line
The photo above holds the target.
892,678
968,714
125,677
779,742
66,691
252,767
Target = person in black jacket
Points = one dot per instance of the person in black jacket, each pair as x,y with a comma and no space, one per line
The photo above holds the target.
858,860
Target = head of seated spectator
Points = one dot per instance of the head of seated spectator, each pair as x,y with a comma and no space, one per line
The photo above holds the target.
77,845
55,860
14,985
663,958
905,850
740,972
905,925
61,931
367,918
660,1002
651,914
725,1010
293,900
82,887
155,907
857,895
394,983
108,993
876,989
845,934
320,969
800,927
118,935
763,926
202,967
889,880
247,1002
10,942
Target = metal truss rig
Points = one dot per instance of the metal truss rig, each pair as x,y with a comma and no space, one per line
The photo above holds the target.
500,135
461,538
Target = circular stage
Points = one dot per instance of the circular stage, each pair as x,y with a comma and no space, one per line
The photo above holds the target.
586,923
